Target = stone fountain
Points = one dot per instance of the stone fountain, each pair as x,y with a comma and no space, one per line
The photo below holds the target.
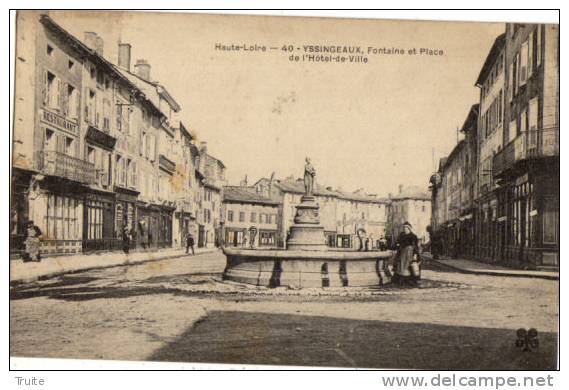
307,261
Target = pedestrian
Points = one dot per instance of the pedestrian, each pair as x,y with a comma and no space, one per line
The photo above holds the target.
190,243
382,244
407,262
32,241
367,246
126,240
143,234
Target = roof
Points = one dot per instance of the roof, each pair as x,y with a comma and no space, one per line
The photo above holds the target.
297,187
147,88
497,47
414,192
96,57
210,184
471,119
361,197
457,148
237,194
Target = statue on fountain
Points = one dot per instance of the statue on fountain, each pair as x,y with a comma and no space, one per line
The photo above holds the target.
309,177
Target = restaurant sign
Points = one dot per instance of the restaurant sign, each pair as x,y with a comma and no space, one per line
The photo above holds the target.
59,122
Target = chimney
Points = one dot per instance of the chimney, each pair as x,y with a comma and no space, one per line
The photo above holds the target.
94,42
400,189
142,69
203,147
124,56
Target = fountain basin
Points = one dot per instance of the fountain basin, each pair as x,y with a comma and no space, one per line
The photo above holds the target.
304,268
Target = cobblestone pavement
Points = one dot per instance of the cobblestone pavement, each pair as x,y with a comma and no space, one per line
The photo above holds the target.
180,310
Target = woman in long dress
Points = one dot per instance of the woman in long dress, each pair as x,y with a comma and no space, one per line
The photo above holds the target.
407,265
32,241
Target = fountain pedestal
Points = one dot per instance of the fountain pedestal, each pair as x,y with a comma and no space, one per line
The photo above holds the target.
307,233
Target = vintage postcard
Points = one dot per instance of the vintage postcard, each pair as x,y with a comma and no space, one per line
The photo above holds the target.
285,191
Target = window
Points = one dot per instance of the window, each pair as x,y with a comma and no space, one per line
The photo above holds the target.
241,216
90,106
104,166
119,116
106,115
538,45
523,121
100,80
70,65
550,220
50,141
72,102
60,221
253,217
266,238
51,93
94,220
131,175
91,155
230,216
49,50
523,55
513,130
531,49
533,114
93,72
120,170
69,146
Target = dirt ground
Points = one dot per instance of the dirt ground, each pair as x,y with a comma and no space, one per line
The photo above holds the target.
179,310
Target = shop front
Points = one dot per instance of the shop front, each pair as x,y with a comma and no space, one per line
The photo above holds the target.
234,236
98,222
184,223
125,213
56,207
533,221
267,238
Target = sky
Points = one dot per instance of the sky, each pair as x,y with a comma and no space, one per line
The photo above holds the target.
371,125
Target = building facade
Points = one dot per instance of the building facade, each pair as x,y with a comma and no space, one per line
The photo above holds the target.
490,132
211,219
515,186
250,218
413,205
98,148
527,166
453,189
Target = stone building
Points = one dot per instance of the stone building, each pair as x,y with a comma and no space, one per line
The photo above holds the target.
245,210
490,133
516,180
527,166
211,219
344,215
411,204
97,147
453,190
360,215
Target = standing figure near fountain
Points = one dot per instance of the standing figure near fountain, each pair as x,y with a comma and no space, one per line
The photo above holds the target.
407,261
309,177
